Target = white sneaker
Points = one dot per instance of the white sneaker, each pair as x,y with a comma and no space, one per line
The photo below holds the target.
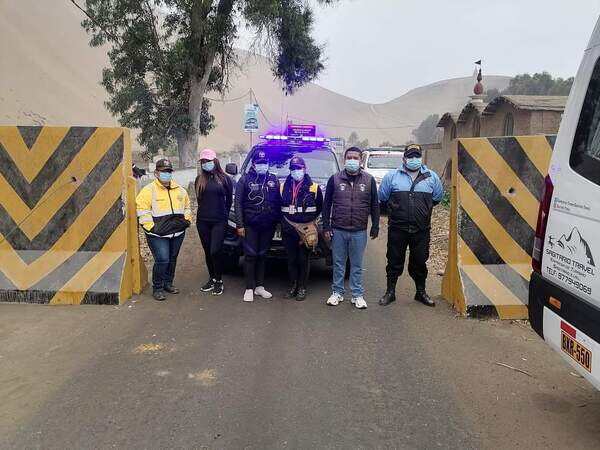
335,299
260,290
248,295
359,302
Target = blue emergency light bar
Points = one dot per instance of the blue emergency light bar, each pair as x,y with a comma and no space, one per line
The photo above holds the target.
281,137
274,137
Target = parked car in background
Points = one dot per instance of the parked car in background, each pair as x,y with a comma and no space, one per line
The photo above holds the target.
564,291
380,160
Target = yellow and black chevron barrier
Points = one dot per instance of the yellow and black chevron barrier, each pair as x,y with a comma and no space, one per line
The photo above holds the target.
68,232
496,188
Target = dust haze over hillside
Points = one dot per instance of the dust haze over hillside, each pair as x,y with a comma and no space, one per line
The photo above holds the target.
51,76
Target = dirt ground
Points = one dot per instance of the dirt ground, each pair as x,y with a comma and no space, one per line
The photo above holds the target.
200,371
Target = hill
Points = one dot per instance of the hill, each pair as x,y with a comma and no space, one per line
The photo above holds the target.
51,76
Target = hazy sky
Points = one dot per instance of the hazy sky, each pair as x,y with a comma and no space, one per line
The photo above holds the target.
379,49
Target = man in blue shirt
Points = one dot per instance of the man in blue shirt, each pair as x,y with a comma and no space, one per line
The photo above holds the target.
410,193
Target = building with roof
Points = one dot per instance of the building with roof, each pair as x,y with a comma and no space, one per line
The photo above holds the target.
516,115
505,115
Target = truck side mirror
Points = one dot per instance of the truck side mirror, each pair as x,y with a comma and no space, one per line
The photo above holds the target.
231,169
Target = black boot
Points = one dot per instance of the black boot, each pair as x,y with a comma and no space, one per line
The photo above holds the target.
301,295
390,293
293,292
421,296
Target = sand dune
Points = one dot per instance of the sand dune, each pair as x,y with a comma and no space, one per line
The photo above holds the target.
49,75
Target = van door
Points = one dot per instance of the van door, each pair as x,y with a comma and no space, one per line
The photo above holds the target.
572,247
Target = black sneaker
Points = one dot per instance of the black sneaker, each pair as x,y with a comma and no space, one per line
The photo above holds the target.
209,286
217,287
159,296
293,291
301,294
171,289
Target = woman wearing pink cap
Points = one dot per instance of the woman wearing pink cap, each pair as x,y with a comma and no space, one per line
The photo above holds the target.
214,189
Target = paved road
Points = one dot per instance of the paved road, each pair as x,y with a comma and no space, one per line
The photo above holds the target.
212,372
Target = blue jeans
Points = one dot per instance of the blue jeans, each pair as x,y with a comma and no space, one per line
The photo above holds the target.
165,252
344,245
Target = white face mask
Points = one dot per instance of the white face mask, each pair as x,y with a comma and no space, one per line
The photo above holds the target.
413,164
261,169
297,174
352,165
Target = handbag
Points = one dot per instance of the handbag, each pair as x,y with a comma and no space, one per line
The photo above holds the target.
308,232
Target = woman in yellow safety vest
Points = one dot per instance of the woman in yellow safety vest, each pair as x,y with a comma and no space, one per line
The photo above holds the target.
163,210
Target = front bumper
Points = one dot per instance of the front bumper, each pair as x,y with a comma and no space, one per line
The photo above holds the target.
574,310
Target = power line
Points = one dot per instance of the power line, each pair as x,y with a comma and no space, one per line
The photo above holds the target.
260,109
351,126
95,22
230,100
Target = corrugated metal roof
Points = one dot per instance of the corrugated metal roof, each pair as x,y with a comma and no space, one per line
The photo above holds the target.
529,102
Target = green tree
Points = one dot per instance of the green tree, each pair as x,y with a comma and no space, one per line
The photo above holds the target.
354,141
428,132
165,55
491,94
539,84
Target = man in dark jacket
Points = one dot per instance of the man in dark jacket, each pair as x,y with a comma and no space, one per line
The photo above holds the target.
350,198
410,193
301,202
257,211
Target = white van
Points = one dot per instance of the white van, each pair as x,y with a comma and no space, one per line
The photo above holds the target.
378,161
564,292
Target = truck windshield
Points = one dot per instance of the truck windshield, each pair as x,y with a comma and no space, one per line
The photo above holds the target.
388,161
320,161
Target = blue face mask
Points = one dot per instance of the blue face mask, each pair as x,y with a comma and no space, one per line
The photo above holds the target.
208,166
261,169
352,165
297,174
165,176
413,163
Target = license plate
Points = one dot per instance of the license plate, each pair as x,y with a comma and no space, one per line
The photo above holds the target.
576,351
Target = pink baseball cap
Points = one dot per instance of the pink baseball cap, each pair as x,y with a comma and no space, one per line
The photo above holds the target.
208,154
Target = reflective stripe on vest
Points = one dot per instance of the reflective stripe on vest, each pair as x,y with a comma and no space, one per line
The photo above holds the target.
291,210
172,210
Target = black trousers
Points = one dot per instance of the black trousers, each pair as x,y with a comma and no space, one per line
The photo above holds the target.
256,245
298,258
418,244
212,235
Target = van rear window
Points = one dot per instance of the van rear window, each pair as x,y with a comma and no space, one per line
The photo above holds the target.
585,155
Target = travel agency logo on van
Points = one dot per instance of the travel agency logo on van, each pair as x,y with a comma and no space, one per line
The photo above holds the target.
572,261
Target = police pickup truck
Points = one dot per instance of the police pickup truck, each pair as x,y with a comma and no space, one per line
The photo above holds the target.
321,163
